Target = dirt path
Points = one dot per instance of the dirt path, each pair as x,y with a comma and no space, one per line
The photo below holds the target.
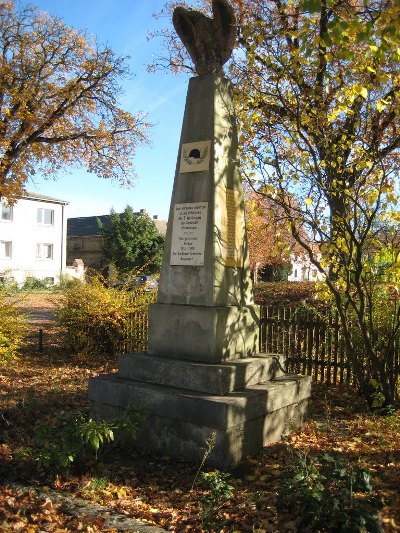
39,307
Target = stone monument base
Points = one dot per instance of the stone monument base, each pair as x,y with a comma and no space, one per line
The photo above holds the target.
203,333
247,404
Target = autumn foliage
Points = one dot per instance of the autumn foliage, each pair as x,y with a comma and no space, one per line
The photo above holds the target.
268,233
59,94
93,318
12,328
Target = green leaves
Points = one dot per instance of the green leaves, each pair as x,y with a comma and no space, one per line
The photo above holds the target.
66,439
217,491
132,242
311,6
330,493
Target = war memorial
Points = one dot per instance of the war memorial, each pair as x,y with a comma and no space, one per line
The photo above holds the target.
203,373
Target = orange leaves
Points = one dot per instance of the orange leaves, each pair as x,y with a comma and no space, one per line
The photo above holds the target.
60,102
156,490
269,237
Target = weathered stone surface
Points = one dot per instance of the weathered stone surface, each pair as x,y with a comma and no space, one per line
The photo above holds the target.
209,115
180,422
203,333
203,409
209,41
78,507
201,377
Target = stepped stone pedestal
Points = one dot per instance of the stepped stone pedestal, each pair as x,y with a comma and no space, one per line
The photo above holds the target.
203,373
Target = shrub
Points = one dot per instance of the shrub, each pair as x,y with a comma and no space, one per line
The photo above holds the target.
34,284
380,372
69,439
217,491
330,494
12,328
94,318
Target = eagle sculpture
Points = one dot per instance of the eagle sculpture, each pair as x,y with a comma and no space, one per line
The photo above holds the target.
209,41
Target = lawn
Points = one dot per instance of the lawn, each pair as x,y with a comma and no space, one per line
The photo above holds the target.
160,490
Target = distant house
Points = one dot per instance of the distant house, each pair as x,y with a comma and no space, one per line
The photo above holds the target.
32,238
303,269
84,240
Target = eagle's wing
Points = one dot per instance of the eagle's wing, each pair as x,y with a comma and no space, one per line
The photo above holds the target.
224,22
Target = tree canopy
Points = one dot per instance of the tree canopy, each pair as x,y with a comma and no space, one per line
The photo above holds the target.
132,242
59,94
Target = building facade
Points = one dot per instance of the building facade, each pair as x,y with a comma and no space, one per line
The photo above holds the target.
32,238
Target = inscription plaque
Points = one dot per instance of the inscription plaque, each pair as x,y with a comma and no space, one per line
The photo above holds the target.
195,157
231,230
189,234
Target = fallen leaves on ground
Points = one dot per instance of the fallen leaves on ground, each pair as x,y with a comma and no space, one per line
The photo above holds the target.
157,490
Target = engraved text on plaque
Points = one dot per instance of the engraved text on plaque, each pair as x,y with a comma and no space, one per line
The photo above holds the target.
189,234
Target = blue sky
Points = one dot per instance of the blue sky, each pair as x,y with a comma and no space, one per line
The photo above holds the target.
124,25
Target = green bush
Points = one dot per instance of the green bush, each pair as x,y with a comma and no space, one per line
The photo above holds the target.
69,439
35,284
217,491
330,494
95,318
12,328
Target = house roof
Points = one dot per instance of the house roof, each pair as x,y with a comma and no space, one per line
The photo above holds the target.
88,226
85,226
42,198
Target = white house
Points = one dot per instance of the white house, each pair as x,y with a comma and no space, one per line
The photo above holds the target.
303,269
33,238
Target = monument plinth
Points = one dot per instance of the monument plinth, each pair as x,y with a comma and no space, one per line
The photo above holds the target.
203,373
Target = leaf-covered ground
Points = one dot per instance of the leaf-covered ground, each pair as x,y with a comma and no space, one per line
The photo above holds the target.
158,490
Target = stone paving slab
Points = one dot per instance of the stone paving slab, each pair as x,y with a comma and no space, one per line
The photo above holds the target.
78,507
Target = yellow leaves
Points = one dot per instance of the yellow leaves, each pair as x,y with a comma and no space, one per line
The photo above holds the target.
380,106
372,196
339,109
364,92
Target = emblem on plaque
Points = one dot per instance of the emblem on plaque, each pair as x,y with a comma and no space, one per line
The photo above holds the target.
195,157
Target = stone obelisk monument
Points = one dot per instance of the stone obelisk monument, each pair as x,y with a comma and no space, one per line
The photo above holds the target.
202,372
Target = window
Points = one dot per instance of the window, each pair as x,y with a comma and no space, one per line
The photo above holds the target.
45,216
44,251
5,249
6,213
